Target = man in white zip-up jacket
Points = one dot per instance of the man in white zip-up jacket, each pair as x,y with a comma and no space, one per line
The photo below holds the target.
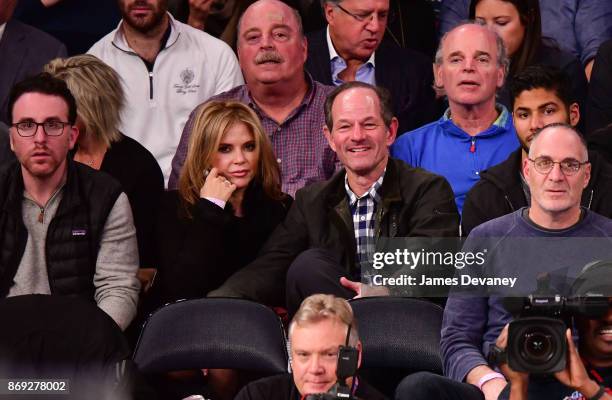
167,69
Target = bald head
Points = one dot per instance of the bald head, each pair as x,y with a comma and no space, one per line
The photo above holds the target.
474,28
272,10
560,135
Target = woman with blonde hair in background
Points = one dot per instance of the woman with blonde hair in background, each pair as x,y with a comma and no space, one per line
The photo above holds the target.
99,97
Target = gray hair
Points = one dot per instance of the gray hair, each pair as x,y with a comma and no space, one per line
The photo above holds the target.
563,125
296,14
502,54
320,307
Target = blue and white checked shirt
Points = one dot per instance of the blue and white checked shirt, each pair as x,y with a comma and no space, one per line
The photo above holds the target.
363,209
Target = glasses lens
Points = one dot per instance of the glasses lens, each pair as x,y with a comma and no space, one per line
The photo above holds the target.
26,128
543,164
53,128
570,166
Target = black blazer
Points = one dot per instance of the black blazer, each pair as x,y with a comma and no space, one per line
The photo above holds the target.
24,51
405,73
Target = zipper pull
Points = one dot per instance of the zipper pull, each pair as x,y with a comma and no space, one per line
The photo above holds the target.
473,146
41,216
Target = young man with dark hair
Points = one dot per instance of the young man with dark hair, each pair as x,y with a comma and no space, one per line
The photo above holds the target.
541,95
66,228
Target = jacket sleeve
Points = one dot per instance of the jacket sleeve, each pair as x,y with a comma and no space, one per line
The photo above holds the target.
115,279
181,151
229,74
144,198
472,214
199,253
451,13
599,112
462,334
435,212
593,26
263,280
575,72
420,107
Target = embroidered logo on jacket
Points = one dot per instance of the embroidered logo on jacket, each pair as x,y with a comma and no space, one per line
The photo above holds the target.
187,76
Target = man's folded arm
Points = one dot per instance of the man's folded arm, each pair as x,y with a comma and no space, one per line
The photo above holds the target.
263,280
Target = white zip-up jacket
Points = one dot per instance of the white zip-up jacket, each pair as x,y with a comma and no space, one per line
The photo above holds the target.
192,67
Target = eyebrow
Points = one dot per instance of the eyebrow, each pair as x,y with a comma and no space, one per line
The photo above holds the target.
254,29
30,119
550,103
482,53
283,26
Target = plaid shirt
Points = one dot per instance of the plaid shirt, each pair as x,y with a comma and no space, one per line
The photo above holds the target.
299,144
364,209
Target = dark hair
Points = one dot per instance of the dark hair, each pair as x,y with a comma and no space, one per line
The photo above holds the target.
529,14
542,77
386,111
43,83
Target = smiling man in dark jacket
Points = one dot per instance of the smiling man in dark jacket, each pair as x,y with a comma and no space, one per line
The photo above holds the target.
332,226
541,95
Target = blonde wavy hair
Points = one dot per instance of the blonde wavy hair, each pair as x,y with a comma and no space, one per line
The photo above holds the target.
98,93
211,122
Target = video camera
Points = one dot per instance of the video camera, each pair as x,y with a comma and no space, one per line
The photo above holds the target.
536,339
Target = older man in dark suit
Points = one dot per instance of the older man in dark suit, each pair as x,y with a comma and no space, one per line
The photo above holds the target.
23,51
352,48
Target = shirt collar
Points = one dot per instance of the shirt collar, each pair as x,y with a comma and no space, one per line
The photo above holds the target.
333,54
306,101
2,27
120,41
373,192
501,121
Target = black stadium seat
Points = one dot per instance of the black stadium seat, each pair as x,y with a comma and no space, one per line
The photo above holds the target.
212,333
399,336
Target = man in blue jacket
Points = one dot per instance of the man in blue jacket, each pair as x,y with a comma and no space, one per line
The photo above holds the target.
475,133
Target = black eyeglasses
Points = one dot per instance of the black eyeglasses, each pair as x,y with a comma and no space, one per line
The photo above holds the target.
29,128
366,17
569,166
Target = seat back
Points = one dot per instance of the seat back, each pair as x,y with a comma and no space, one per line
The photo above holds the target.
64,337
212,333
399,336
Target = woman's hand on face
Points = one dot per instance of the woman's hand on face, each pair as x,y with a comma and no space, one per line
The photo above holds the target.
217,186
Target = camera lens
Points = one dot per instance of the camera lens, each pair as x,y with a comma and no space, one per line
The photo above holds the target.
537,346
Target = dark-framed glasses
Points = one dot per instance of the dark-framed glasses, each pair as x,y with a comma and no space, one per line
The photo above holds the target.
569,166
29,128
382,16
